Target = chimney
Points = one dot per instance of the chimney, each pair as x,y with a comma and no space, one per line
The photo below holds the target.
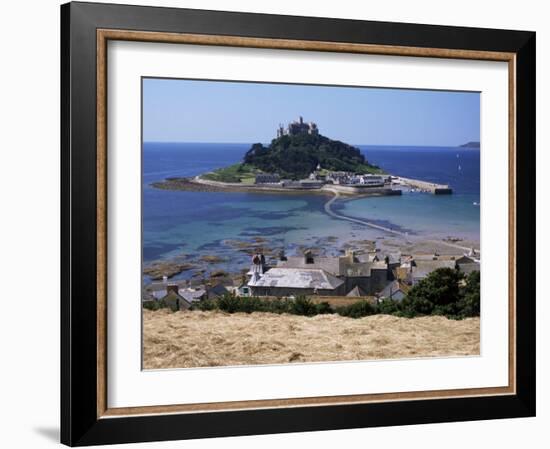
172,288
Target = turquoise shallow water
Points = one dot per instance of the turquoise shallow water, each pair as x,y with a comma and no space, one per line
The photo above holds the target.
421,213
195,223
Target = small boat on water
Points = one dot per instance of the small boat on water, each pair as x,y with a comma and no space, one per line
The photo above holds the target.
476,203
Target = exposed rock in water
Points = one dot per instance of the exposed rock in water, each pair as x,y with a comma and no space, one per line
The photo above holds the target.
258,239
157,270
219,274
212,259
453,239
251,248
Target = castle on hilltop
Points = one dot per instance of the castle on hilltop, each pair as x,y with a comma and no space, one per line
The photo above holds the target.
298,127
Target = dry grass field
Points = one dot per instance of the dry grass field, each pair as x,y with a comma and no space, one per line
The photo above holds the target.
195,339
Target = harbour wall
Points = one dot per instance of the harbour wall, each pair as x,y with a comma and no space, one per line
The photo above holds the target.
436,189
361,190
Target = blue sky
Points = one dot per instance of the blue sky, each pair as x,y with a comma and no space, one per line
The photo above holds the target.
219,111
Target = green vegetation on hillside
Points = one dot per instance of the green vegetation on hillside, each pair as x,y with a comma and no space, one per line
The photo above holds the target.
444,292
244,173
296,156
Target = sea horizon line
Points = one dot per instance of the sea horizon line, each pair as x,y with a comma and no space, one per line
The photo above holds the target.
353,144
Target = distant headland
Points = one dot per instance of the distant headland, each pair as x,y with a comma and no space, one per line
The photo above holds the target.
472,144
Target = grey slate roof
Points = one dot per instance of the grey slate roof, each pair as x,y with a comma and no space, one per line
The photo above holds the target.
216,291
422,268
356,291
158,286
191,295
329,264
467,268
297,278
392,288
465,260
177,299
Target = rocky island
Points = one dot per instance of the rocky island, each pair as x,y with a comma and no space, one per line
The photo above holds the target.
296,153
301,159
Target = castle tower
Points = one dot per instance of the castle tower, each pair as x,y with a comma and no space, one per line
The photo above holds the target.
313,128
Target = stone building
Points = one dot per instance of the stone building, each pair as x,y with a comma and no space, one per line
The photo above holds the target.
267,178
368,277
395,290
298,127
296,281
174,300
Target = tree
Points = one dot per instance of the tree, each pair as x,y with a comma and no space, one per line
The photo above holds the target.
302,305
388,306
437,294
356,310
470,303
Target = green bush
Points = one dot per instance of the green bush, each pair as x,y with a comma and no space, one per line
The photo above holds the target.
437,294
278,305
440,293
230,303
156,305
302,305
356,310
252,304
469,305
323,308
207,304
388,307
151,305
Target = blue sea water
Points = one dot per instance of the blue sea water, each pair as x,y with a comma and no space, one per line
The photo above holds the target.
439,215
194,223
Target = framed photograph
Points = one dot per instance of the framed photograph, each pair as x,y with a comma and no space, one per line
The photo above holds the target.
281,224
